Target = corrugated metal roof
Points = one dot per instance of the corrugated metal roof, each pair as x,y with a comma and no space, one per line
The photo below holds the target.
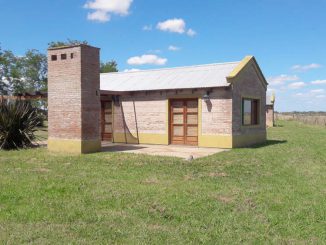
201,76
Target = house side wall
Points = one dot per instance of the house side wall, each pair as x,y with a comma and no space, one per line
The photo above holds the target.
270,115
248,84
144,117
216,125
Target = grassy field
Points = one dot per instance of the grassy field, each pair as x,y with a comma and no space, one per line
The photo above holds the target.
274,193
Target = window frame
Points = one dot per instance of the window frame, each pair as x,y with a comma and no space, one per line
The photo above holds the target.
254,118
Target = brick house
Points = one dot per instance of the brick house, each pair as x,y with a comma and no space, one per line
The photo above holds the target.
215,105
270,103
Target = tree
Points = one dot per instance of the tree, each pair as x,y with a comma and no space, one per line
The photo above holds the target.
20,74
10,72
34,71
69,42
110,66
3,85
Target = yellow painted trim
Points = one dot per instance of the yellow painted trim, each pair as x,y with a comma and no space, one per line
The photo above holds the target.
167,122
248,139
144,138
218,141
112,112
243,63
240,66
273,98
74,146
200,120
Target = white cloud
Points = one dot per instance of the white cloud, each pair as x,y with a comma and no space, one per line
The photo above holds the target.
99,16
173,48
319,82
281,79
176,26
172,25
147,59
104,8
132,69
317,91
191,33
296,85
303,68
147,28
311,95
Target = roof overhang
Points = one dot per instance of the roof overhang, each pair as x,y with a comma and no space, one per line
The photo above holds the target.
192,90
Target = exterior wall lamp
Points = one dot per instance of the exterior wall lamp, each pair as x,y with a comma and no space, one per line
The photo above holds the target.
116,99
206,97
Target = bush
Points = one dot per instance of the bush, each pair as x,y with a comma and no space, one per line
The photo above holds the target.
18,121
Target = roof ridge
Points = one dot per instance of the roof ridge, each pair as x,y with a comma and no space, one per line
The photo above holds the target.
172,68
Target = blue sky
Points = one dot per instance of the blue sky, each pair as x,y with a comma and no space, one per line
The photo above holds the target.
287,37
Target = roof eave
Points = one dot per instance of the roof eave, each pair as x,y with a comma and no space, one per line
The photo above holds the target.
158,90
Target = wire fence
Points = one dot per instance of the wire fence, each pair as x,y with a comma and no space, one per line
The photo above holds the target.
304,118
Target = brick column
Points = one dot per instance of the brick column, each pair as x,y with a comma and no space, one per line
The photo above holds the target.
74,99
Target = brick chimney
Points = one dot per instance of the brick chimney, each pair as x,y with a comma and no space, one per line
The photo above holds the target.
74,99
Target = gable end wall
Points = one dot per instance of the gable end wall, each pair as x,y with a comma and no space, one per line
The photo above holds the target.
248,84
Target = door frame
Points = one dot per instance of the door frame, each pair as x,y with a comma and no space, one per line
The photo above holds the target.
170,119
103,119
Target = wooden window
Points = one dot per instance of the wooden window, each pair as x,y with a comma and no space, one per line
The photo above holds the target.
63,56
250,111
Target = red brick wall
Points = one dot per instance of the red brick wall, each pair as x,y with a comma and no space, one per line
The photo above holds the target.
74,107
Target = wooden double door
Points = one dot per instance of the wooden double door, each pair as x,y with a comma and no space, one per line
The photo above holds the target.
184,121
106,120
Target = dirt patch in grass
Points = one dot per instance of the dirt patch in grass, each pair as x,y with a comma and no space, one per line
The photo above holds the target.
225,199
32,160
150,181
160,210
188,177
156,227
218,174
41,170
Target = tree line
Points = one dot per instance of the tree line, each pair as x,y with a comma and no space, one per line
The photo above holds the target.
28,73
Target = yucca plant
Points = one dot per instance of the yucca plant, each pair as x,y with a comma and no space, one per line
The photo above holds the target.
18,121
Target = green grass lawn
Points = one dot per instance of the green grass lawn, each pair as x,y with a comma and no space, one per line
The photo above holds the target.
275,193
42,132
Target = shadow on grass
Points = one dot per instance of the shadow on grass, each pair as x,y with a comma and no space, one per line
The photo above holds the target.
268,143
